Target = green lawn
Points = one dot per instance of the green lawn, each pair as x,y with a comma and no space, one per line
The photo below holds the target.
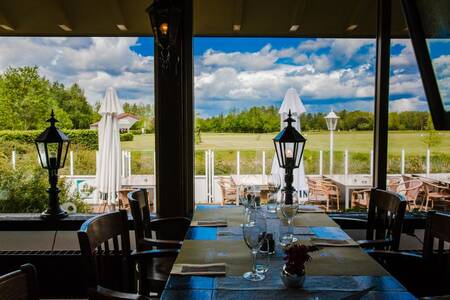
357,141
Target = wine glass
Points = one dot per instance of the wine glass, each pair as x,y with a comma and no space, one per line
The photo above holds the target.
254,231
289,211
274,184
247,196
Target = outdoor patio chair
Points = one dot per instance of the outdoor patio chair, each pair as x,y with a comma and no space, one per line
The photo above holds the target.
361,198
150,234
435,193
20,284
110,265
384,220
410,189
229,190
323,191
427,274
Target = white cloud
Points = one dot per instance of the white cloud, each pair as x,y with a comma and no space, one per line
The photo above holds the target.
407,104
93,63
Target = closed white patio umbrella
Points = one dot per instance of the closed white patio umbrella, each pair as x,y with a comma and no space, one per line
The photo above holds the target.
108,161
293,103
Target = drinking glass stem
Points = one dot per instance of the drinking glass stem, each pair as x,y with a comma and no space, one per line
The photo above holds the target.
290,231
254,252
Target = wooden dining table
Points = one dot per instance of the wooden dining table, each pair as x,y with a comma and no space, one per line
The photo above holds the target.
333,272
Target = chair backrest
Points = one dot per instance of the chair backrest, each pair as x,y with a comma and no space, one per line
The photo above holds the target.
105,248
144,227
412,189
438,228
20,284
141,215
385,217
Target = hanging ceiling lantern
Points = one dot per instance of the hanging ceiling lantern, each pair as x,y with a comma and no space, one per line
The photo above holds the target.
164,17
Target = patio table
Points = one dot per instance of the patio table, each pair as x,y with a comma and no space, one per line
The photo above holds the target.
348,183
333,273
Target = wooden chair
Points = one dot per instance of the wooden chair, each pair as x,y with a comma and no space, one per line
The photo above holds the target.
20,284
229,190
427,274
384,220
110,265
435,192
161,233
323,191
410,189
361,198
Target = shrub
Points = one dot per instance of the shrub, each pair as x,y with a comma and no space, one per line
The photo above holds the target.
24,190
126,137
85,137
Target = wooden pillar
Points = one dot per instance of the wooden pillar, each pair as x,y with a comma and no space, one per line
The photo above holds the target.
174,120
381,111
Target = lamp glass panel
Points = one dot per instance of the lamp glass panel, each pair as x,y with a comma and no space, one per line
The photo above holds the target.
280,154
42,154
65,149
53,157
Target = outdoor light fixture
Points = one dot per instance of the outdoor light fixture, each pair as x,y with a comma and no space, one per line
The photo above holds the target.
331,120
289,145
52,146
164,17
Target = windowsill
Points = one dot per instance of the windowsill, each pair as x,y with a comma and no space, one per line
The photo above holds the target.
33,221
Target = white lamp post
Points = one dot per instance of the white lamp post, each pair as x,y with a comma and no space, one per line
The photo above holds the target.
331,120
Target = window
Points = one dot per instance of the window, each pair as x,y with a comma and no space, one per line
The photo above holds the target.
71,75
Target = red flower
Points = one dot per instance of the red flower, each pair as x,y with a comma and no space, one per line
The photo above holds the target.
296,257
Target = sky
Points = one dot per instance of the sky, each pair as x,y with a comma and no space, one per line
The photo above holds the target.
236,73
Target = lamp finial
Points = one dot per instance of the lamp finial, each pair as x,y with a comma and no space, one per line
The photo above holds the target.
52,119
289,119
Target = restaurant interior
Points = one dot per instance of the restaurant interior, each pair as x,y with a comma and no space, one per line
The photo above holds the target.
250,249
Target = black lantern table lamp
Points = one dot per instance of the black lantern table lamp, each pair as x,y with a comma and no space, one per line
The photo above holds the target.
289,145
52,146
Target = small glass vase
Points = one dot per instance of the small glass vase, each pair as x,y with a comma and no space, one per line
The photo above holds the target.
292,280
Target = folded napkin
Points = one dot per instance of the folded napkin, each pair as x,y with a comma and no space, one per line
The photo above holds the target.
334,242
310,209
230,232
303,230
199,269
210,223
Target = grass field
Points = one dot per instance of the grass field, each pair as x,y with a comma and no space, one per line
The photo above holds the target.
358,141
251,147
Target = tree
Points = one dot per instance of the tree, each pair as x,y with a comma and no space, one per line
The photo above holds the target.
74,102
26,100
431,138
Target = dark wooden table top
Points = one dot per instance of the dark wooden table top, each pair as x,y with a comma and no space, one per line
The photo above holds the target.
233,286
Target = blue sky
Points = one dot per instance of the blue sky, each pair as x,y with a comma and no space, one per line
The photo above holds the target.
236,72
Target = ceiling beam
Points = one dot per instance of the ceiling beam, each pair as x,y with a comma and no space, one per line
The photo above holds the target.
64,21
297,15
238,14
6,23
121,23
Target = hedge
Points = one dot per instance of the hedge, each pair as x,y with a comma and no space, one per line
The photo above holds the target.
139,131
126,137
85,137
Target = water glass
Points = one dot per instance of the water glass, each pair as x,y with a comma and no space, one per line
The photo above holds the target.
289,211
274,185
254,231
